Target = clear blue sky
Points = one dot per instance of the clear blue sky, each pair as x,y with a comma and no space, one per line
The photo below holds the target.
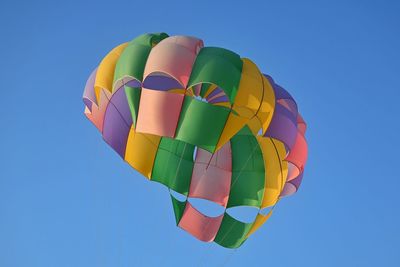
67,199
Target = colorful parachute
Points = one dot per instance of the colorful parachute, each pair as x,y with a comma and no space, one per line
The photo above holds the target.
204,122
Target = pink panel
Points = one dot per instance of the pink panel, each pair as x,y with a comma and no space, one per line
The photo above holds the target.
191,43
197,89
301,124
298,154
174,56
211,177
159,112
200,226
293,172
289,189
96,116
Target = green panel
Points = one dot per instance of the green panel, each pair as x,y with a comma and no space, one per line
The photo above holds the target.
179,207
201,123
173,165
220,67
133,95
232,233
150,39
133,59
245,131
248,173
132,62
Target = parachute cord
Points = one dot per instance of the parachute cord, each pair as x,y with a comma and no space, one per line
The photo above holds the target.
230,229
203,257
170,244
172,240
179,163
212,154
207,225
240,172
228,257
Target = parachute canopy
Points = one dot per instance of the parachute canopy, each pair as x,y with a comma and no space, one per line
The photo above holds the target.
204,122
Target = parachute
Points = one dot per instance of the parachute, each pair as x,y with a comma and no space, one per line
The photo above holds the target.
205,123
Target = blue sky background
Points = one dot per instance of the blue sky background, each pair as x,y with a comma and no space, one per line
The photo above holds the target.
67,199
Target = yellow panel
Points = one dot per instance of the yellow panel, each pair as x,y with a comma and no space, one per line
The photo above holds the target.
285,170
223,104
141,151
284,164
252,103
247,102
275,169
232,126
105,71
254,125
260,220
177,91
267,106
250,92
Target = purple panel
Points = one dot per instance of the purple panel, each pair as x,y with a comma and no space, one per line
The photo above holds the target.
134,83
297,181
131,83
269,78
283,126
89,96
164,83
281,93
215,92
117,122
223,98
115,130
120,101
292,186
88,103
288,190
291,105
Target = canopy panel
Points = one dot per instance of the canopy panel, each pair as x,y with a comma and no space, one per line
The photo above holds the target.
173,164
247,186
